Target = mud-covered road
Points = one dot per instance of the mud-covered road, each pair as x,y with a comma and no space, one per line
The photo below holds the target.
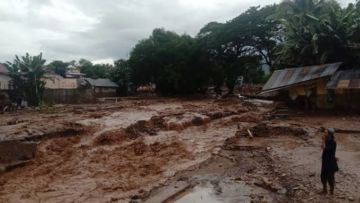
171,150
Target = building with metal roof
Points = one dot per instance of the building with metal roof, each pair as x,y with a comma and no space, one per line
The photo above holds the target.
283,79
345,79
101,82
321,86
102,87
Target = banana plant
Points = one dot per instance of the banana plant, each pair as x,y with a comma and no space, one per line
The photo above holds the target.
318,32
27,73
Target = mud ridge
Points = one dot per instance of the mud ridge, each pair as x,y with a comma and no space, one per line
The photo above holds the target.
69,130
269,130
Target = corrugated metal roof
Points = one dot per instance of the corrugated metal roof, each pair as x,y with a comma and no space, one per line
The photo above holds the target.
101,82
346,79
282,79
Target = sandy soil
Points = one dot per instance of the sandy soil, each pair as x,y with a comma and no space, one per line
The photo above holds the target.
135,150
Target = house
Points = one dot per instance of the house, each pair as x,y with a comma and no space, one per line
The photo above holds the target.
52,80
102,87
65,90
55,81
5,83
321,86
73,73
74,89
344,89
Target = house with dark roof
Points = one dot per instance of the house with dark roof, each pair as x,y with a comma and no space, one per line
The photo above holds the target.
102,87
321,86
73,73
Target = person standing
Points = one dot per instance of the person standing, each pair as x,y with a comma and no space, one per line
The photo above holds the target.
329,162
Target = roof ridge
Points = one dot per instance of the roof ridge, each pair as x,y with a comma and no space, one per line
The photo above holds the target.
326,64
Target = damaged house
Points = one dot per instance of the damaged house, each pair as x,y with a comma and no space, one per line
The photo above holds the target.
322,86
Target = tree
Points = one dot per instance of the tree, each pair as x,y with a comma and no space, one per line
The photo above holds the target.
120,74
175,63
318,32
94,71
59,67
26,74
244,42
86,67
257,30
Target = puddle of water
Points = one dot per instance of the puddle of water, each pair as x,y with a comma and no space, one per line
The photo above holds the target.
199,195
231,192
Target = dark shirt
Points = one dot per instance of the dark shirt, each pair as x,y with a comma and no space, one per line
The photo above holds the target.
329,163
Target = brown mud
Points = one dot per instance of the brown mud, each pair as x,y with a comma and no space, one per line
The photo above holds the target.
167,150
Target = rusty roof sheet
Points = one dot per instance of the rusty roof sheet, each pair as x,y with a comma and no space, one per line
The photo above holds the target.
346,79
282,79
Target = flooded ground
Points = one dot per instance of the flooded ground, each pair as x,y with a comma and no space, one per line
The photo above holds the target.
168,150
199,194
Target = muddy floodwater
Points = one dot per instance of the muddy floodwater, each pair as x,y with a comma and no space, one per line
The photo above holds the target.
173,150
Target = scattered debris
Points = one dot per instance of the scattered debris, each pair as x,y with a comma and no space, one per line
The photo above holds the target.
250,134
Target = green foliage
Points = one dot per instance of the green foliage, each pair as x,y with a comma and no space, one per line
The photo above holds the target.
94,71
240,46
318,32
60,67
27,73
120,74
292,33
176,64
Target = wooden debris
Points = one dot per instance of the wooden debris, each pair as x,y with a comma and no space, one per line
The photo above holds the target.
250,134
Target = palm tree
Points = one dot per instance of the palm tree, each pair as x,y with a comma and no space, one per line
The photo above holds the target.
27,73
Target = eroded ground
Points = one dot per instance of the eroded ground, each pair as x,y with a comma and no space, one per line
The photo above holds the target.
171,150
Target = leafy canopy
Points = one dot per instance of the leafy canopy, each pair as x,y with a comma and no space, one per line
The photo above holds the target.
318,32
175,63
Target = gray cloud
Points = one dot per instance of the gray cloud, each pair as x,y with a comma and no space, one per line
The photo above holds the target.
92,29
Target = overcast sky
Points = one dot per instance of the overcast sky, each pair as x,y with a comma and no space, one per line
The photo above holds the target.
105,29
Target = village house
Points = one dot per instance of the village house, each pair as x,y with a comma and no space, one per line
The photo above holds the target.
59,89
52,80
5,80
322,86
102,87
55,81
73,73
73,88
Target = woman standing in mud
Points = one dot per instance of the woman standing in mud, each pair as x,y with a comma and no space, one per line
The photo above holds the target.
329,162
